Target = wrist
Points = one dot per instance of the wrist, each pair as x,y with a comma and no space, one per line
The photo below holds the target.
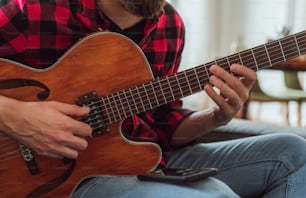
219,117
7,107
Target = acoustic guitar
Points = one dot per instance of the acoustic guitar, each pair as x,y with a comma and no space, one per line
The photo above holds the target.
110,74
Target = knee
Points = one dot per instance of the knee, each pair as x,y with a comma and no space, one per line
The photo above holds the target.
292,142
293,148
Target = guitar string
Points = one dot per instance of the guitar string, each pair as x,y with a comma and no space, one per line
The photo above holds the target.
16,152
114,117
8,152
146,92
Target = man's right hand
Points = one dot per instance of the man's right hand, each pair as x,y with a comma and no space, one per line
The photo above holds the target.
48,128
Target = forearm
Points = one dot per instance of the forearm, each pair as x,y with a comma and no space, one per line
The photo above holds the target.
195,126
7,105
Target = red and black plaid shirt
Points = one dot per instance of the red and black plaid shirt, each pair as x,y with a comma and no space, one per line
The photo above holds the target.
37,33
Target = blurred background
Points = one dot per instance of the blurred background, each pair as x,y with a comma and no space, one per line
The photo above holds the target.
218,28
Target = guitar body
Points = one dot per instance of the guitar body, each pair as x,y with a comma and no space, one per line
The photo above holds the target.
101,62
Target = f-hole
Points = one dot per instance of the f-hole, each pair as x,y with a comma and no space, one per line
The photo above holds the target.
15,83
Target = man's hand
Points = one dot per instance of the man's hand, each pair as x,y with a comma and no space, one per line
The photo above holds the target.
48,128
234,91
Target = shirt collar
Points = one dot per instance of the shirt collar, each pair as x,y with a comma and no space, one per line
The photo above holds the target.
105,23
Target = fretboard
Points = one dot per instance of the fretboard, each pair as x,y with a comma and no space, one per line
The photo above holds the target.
160,91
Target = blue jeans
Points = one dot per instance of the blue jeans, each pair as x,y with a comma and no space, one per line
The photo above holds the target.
261,166
130,187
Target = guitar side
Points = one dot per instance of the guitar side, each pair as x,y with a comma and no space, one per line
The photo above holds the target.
101,62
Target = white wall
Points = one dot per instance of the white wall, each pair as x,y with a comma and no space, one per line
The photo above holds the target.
213,26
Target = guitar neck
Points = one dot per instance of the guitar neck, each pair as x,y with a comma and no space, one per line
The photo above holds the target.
160,91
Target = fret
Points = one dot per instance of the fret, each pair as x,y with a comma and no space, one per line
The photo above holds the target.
261,57
274,52
108,108
116,106
297,45
229,65
197,78
270,63
301,39
169,86
162,90
202,73
124,108
255,61
152,95
105,113
240,59
138,99
113,118
130,97
247,58
228,62
179,85
222,62
193,80
289,47
159,92
183,84
145,97
280,45
187,81
206,66
126,103
234,59
176,90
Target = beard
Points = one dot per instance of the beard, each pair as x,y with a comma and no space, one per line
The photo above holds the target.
144,8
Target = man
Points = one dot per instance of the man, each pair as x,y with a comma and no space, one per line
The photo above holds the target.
38,33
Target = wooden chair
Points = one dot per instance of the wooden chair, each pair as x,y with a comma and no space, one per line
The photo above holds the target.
294,87
257,94
292,80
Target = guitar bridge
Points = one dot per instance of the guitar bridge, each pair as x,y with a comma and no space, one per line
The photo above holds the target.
95,119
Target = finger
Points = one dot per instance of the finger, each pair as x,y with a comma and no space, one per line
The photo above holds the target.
227,78
73,126
75,142
226,92
238,88
219,100
63,151
249,76
233,82
72,110
221,73
248,82
52,155
78,127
